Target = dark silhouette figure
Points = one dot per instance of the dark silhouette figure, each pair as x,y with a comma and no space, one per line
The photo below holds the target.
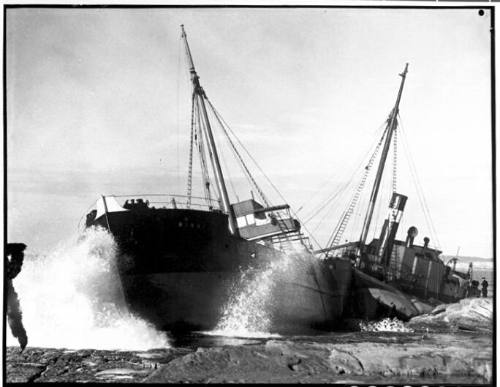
90,218
484,287
14,315
473,290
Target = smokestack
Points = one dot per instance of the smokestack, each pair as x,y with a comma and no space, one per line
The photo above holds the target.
412,233
426,242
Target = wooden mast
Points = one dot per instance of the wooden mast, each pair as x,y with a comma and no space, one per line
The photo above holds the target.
199,93
392,124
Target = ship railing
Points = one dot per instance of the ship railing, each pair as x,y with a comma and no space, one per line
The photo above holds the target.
170,201
290,241
343,250
156,201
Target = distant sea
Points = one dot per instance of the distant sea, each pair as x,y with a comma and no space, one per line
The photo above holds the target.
489,275
481,267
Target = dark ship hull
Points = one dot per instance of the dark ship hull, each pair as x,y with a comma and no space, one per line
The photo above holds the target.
394,277
404,281
179,267
415,275
375,299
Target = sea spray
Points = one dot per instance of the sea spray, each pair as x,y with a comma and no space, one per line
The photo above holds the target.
385,325
72,298
251,307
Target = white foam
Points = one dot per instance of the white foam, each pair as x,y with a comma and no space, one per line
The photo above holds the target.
242,332
385,325
249,312
72,298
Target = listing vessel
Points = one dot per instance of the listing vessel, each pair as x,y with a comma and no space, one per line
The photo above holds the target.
393,277
181,256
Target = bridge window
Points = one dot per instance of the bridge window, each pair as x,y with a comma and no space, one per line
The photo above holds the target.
250,218
241,222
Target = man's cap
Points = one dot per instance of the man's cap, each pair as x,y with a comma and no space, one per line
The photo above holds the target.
11,247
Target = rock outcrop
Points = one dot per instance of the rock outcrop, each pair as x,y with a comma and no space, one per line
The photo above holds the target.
470,314
364,357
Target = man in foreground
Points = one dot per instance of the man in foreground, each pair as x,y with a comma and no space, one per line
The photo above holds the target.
14,315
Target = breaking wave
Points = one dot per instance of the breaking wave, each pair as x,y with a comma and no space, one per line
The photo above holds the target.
249,312
72,298
385,325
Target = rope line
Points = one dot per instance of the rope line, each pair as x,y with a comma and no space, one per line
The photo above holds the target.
190,167
288,233
225,126
342,223
201,151
358,167
420,194
237,154
395,159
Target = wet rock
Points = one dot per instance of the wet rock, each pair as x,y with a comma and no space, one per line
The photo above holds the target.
342,362
121,374
294,363
437,359
363,358
59,365
471,314
24,372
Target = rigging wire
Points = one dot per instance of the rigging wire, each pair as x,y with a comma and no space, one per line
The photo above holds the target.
383,197
282,223
224,126
420,194
395,159
348,184
206,123
226,168
178,177
355,172
381,203
251,179
203,130
358,218
249,155
343,188
337,193
342,223
315,193
328,212
201,152
230,178
190,167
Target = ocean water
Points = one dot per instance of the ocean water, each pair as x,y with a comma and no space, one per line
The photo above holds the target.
71,298
489,275
479,270
249,311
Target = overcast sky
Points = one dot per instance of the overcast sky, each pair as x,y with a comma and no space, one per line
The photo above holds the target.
98,102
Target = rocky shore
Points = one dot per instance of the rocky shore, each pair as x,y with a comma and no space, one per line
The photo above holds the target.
365,357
